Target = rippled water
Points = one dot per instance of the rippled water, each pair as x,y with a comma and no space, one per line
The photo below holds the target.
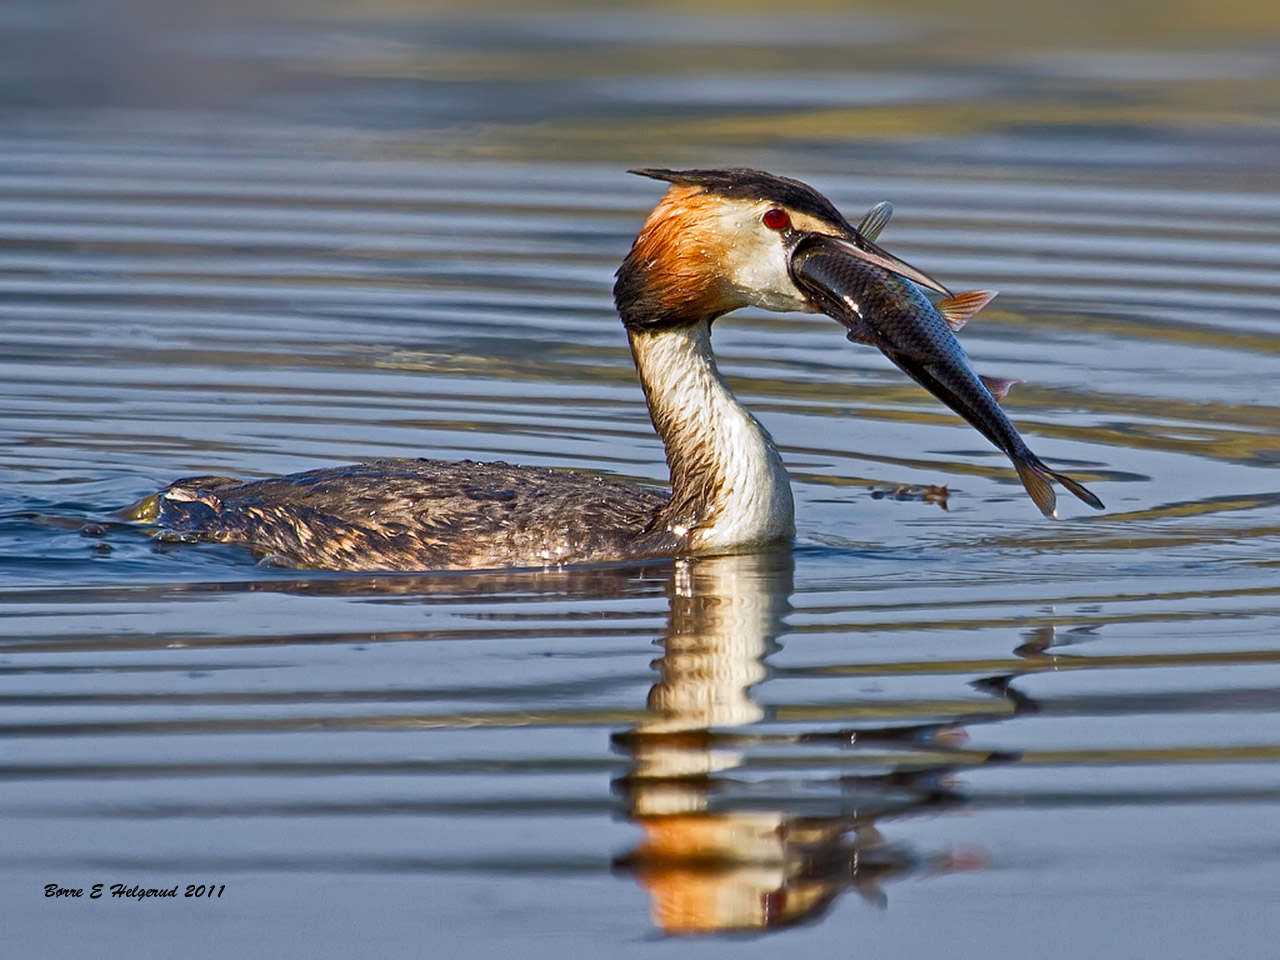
930,728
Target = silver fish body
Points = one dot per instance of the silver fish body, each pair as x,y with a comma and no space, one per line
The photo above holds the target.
891,313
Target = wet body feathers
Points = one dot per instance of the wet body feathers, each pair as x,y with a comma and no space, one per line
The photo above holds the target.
422,515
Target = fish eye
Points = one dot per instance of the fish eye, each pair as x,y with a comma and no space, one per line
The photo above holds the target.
776,219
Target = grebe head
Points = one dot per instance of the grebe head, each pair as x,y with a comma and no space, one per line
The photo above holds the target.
723,239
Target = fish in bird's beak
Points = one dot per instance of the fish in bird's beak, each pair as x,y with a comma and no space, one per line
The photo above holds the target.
824,264
874,295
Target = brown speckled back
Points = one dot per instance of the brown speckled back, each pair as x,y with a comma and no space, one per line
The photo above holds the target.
424,515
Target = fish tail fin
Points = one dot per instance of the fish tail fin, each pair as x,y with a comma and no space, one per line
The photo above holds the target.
1036,477
1079,489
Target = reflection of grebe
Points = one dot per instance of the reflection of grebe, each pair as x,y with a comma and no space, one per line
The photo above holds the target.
718,241
722,850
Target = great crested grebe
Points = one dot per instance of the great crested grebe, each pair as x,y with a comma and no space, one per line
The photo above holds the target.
717,241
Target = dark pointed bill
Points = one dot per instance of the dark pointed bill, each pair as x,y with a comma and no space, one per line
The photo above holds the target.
863,249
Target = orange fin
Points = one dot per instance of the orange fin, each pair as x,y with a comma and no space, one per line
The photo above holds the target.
1035,476
998,387
876,220
958,309
1038,486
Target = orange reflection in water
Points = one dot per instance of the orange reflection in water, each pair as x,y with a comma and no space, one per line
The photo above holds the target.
741,833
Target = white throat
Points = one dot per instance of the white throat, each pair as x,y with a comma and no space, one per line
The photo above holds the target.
724,464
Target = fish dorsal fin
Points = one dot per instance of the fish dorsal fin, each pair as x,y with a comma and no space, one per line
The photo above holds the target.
958,309
876,220
998,387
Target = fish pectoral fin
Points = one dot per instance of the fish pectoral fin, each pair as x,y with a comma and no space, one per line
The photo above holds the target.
959,309
998,387
876,220
859,332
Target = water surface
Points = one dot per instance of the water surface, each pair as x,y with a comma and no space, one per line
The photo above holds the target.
931,727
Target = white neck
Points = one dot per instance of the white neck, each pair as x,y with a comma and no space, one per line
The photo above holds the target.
729,487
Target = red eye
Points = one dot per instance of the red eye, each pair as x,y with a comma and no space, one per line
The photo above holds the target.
776,219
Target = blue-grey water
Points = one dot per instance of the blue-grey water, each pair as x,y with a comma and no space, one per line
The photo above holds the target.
940,725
